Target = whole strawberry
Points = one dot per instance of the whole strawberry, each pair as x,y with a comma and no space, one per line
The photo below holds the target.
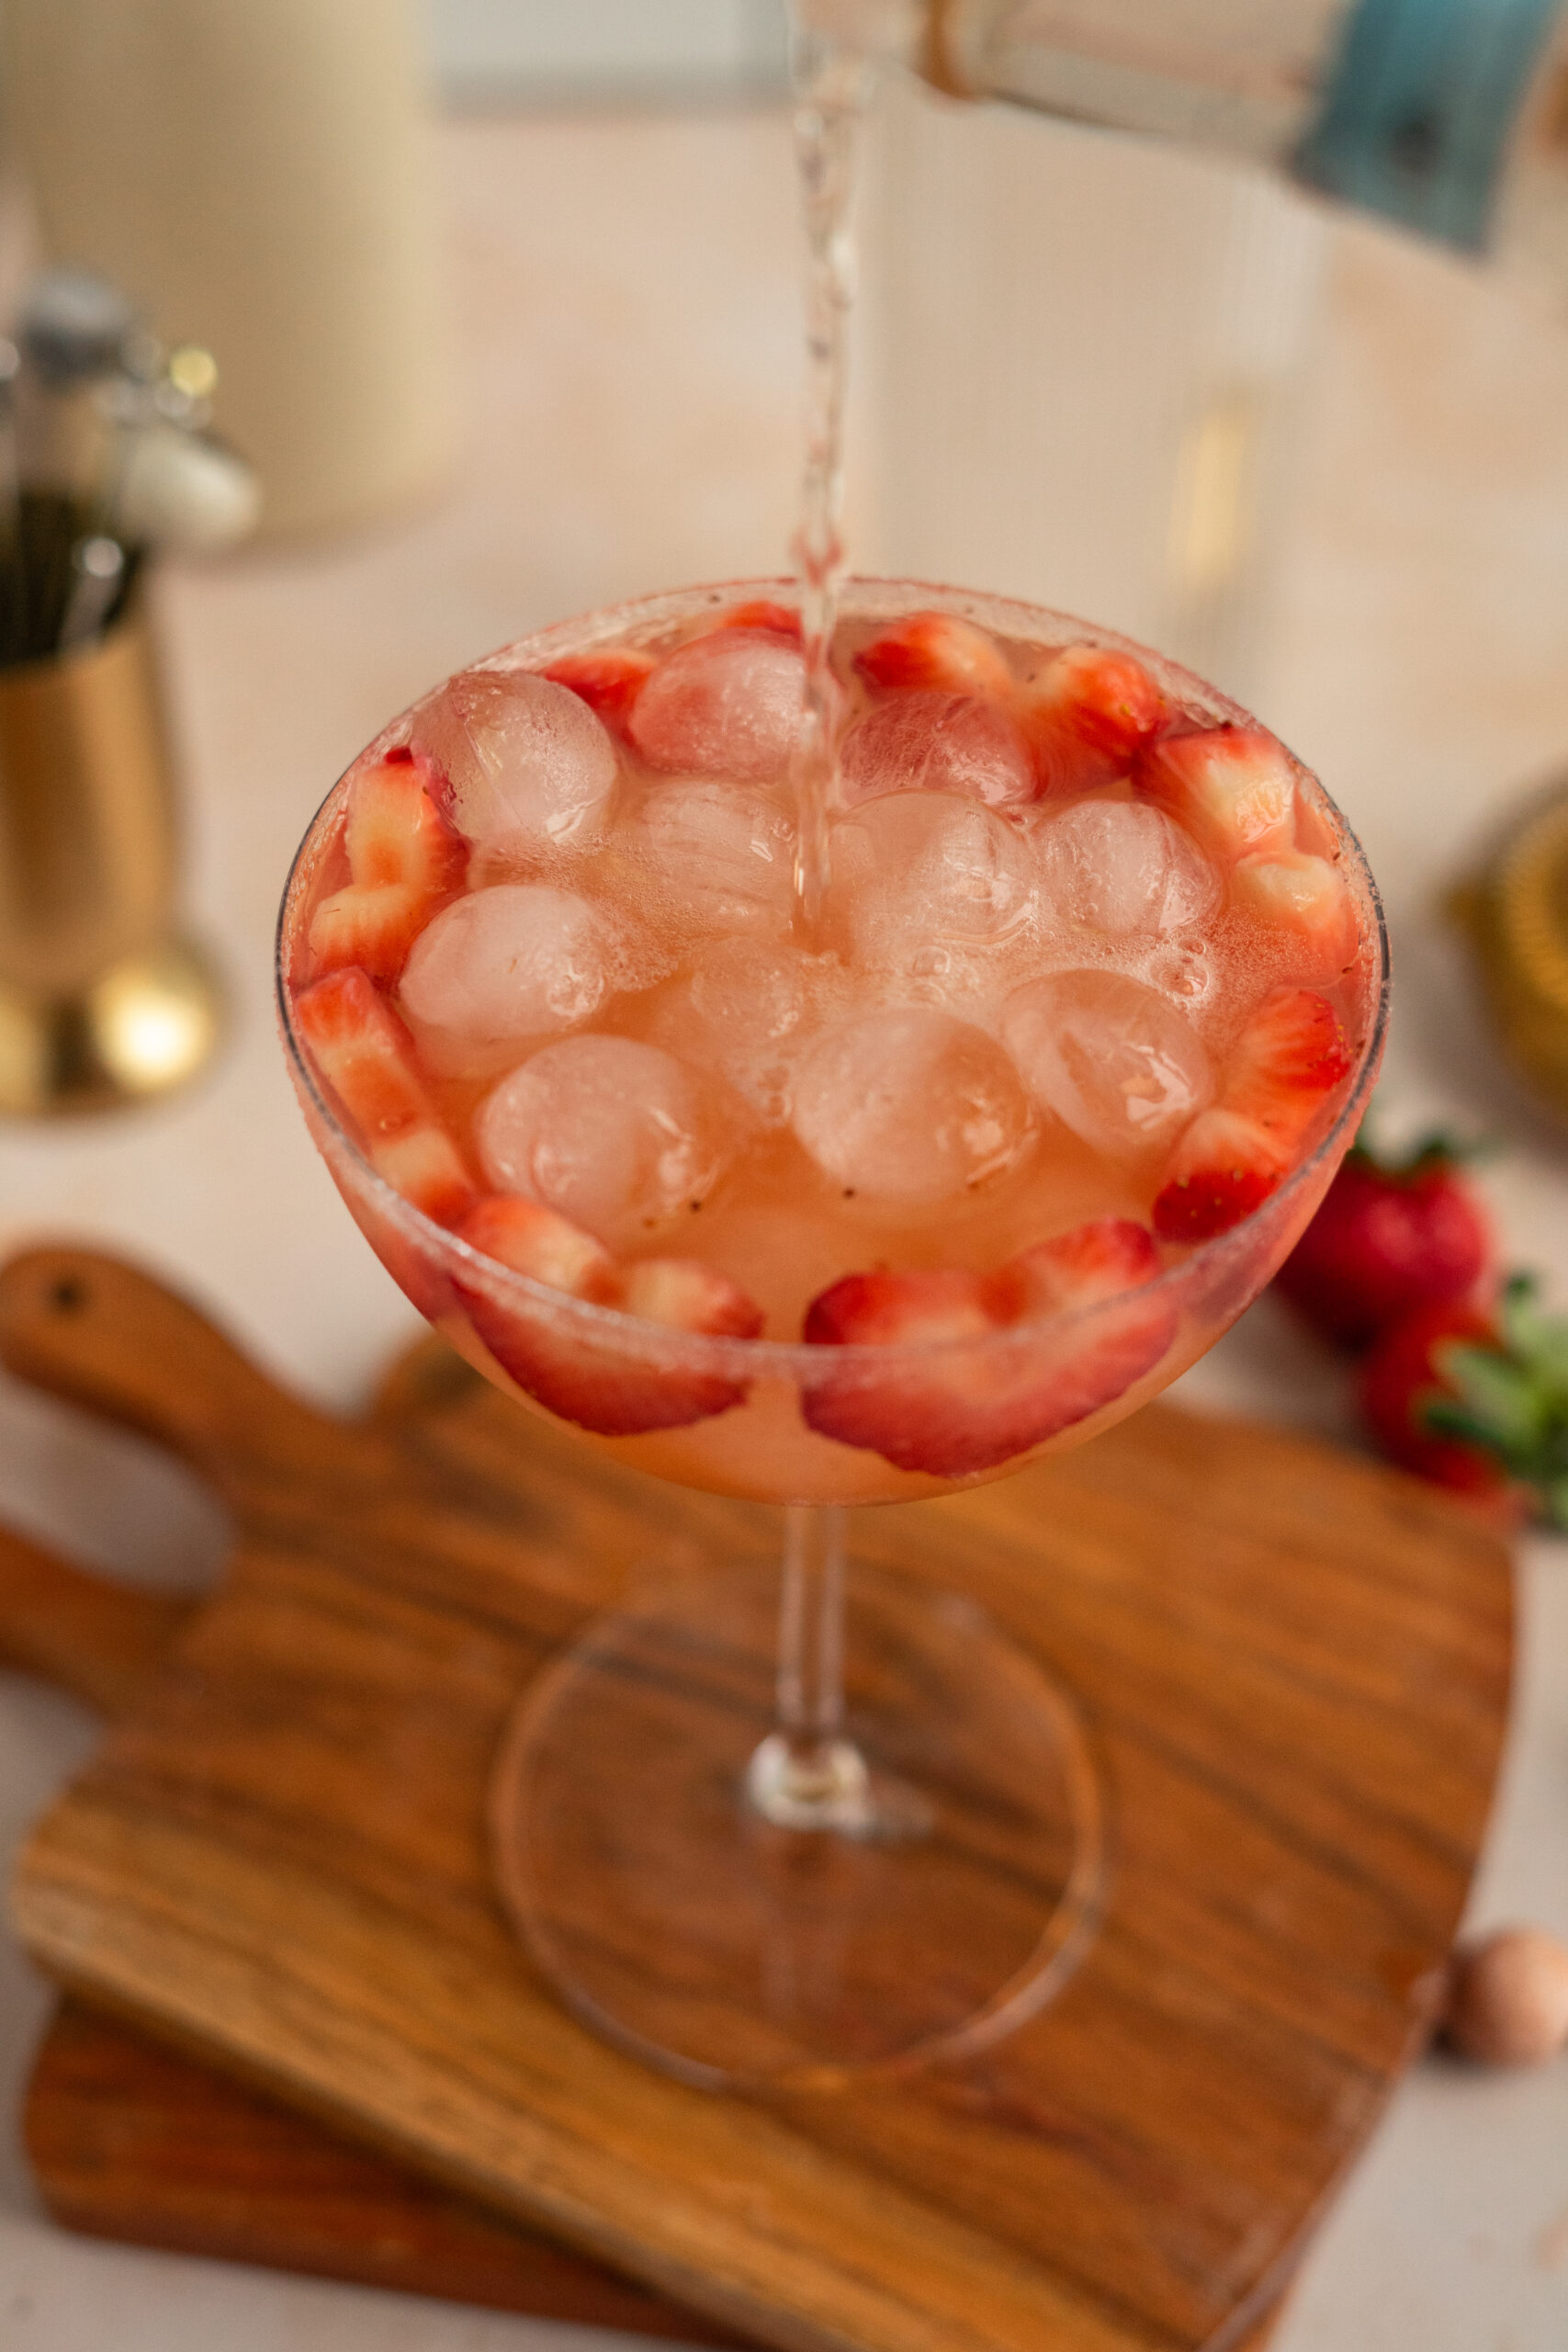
1477,1401
1391,1236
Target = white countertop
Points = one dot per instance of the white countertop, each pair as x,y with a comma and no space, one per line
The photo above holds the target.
625,297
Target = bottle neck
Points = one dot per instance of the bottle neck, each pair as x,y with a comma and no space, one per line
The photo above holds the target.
1416,110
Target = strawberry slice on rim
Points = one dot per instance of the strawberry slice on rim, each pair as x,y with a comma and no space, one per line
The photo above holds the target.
765,612
404,859
372,924
1304,898
1089,717
952,1411
1233,787
366,1057
937,650
614,1380
607,678
395,833
1292,1055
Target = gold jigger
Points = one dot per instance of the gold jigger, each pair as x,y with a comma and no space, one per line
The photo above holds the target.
100,1001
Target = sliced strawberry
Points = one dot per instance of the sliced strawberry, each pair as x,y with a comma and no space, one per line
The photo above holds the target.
607,678
784,620
1304,898
1292,1055
426,1166
1233,787
685,1295
395,833
373,924
1224,1168
1100,1260
364,1052
541,1244
936,650
403,860
366,1057
1089,717
951,1410
613,1380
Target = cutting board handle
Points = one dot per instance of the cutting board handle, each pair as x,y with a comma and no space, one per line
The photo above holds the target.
99,1640
106,1336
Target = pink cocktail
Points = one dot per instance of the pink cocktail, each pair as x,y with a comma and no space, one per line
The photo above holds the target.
854,1210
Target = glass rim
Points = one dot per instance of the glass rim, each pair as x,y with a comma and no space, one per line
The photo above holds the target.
802,1360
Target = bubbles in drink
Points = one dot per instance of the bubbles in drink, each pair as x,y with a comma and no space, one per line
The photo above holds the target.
1123,867
519,961
528,766
1185,969
1112,1059
921,870
721,856
724,705
937,743
909,1105
618,1136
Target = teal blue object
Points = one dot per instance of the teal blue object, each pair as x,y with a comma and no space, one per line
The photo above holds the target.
1416,118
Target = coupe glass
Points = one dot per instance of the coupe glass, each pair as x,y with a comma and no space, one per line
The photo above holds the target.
787,1824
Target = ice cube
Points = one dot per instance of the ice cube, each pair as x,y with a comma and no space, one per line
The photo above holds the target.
528,766
1113,1059
908,1105
727,704
618,1136
745,1013
1123,867
935,742
920,871
519,961
721,855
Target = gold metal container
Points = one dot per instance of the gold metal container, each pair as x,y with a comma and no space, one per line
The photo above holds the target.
1515,914
100,1000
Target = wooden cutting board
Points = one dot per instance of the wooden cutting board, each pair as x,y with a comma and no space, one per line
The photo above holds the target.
1297,1666
132,2140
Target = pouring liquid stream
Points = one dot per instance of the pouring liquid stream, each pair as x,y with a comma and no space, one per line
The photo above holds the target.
832,83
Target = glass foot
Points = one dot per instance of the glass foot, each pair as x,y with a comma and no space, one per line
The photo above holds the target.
947,1885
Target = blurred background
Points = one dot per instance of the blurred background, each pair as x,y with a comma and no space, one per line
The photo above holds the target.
522,338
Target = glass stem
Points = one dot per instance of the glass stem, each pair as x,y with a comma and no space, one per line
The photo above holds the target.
807,1774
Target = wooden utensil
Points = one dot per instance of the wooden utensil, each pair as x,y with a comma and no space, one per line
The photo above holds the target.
1297,1668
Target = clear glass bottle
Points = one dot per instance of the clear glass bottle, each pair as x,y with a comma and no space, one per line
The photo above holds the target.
1448,117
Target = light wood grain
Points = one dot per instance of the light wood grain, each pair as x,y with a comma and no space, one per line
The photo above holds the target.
1297,1667
99,1640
